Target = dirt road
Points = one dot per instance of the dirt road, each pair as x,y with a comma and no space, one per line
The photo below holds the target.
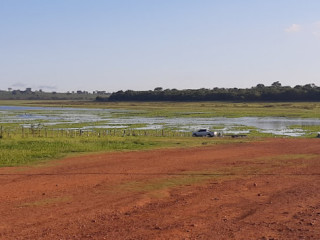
262,190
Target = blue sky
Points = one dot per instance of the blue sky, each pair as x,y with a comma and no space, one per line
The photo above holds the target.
66,45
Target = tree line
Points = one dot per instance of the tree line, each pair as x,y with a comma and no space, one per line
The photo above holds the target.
28,94
275,92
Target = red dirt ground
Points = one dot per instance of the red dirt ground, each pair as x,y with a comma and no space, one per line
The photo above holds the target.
260,190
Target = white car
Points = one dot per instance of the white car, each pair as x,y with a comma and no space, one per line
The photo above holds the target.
203,133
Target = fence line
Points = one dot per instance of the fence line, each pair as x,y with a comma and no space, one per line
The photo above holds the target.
35,132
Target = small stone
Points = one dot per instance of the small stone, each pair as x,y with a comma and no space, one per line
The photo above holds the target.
259,194
255,185
43,194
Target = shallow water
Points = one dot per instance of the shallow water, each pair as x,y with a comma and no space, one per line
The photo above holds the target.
50,116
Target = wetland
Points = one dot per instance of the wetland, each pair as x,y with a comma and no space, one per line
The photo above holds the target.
157,117
34,132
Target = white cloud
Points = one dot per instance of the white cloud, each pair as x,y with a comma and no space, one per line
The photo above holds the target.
317,34
46,87
19,85
294,28
316,29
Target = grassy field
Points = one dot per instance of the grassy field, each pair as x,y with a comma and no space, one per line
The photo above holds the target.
25,151
191,109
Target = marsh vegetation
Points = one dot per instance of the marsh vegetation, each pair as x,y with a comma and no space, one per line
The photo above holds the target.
33,131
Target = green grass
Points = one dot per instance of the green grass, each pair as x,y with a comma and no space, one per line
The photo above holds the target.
310,131
256,133
191,109
26,151
222,109
46,201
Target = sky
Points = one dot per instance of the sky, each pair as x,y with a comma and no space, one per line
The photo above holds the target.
70,45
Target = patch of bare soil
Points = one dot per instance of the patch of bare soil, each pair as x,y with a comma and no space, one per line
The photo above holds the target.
260,190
